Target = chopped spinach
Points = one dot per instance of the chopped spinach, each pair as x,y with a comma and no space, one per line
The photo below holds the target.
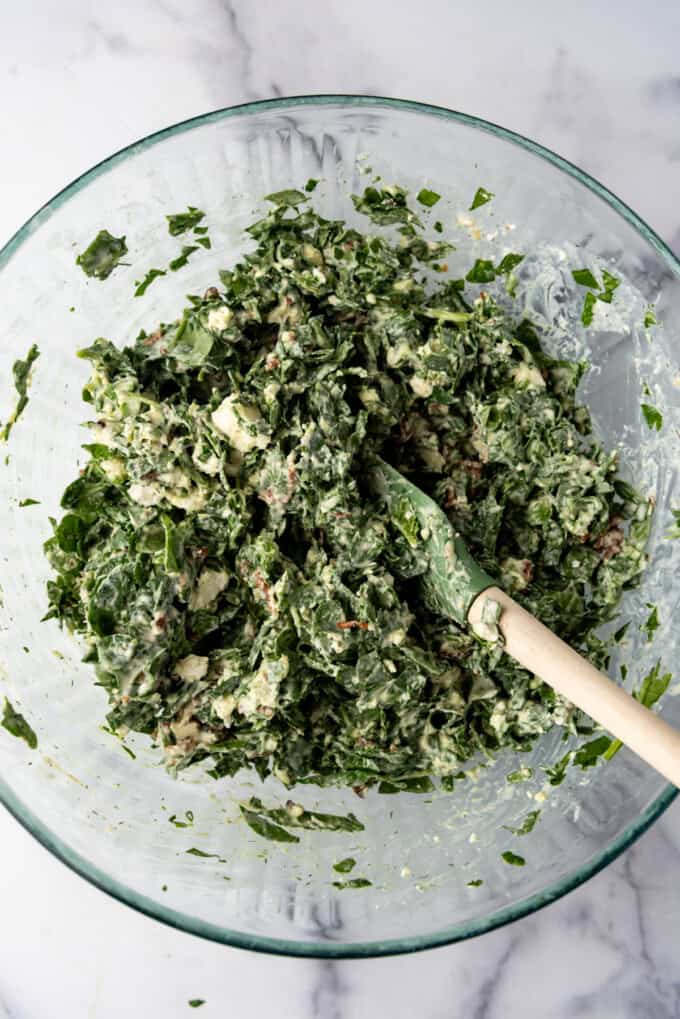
345,866
181,222
651,624
654,686
141,286
653,417
21,370
650,317
102,256
270,822
604,292
585,278
428,198
203,855
183,257
513,859
527,824
482,196
484,271
28,502
521,775
16,724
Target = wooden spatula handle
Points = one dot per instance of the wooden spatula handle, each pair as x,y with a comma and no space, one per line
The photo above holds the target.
537,648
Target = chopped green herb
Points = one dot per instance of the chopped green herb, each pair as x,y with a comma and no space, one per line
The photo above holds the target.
589,303
477,883
196,1002
103,255
345,866
21,370
527,824
653,687
653,417
188,823
129,752
513,859
585,278
266,829
651,624
521,775
508,263
204,856
482,196
610,284
16,725
650,317
183,258
289,197
619,634
181,222
482,271
354,882
204,242
141,286
385,206
293,815
588,755
29,502
311,184
439,226
428,198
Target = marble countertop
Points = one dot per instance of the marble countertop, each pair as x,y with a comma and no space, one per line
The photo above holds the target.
599,85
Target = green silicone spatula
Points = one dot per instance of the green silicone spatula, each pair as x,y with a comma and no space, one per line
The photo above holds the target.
456,586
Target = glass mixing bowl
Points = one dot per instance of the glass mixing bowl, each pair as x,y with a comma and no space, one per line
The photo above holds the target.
107,815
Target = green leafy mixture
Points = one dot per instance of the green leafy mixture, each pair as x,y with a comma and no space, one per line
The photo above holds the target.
246,600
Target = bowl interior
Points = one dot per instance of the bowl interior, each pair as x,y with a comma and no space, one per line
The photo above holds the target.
109,814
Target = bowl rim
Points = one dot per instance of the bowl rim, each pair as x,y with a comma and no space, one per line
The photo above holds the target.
326,949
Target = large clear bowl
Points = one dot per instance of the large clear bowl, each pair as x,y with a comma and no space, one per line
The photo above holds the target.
107,815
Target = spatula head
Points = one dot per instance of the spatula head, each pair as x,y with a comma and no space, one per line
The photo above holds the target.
452,579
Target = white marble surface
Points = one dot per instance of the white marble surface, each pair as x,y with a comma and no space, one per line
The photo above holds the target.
598,83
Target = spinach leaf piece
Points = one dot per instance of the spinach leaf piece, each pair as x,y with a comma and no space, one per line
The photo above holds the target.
21,370
16,725
102,256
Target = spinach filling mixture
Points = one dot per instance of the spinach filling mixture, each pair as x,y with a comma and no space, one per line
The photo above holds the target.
246,598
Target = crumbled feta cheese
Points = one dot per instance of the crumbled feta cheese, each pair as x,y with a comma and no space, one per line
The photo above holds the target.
220,318
237,421
421,387
192,667
210,584
145,495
